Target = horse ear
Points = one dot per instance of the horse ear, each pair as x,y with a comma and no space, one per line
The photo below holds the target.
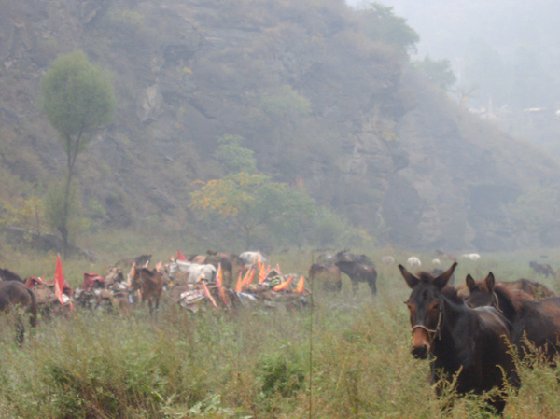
410,279
470,282
490,281
441,281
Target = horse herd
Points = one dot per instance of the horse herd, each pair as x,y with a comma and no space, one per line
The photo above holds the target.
470,330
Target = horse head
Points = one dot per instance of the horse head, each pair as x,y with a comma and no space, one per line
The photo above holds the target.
482,293
426,307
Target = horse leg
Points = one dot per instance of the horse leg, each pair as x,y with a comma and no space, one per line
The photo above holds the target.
20,330
355,285
372,286
338,280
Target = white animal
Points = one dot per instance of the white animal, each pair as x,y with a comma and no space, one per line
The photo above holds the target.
196,271
414,262
251,258
388,260
436,261
471,256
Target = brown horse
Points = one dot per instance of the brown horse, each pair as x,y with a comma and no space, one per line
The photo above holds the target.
541,268
14,295
469,345
533,289
331,273
6,275
359,268
150,284
537,322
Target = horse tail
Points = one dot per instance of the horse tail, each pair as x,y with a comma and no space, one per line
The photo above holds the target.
33,308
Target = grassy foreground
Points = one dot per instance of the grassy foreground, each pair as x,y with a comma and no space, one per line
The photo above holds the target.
348,357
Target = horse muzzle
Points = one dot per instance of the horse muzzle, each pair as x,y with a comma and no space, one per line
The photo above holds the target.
420,352
420,343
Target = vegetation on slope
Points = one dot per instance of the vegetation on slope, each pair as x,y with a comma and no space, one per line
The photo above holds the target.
323,95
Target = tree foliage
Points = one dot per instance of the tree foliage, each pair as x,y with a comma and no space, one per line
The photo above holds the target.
233,156
384,25
438,72
251,203
77,97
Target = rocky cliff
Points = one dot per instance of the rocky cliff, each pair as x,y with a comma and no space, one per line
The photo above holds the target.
323,96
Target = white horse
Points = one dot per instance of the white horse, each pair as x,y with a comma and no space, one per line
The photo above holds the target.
471,256
251,258
388,260
196,271
436,261
414,262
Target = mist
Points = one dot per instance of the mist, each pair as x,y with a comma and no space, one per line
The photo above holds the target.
504,56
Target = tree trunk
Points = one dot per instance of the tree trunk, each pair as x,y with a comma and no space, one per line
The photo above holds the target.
63,228
72,149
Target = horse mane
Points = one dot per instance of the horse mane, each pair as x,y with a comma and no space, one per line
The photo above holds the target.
510,300
8,275
452,294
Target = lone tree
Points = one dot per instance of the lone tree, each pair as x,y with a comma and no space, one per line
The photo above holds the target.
78,98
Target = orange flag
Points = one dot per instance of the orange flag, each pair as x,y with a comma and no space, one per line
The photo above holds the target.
239,283
249,276
59,280
208,295
284,285
301,285
262,273
220,285
219,276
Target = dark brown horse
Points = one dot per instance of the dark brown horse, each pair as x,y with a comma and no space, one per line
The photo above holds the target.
470,345
6,275
533,288
541,268
537,321
14,295
150,284
359,268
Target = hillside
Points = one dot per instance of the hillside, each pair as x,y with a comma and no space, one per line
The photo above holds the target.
323,94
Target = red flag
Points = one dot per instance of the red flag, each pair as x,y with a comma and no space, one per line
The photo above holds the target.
59,280
180,256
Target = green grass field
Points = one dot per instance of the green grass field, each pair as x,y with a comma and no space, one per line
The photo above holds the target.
349,356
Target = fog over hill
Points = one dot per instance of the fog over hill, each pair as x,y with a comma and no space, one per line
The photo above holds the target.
504,55
325,95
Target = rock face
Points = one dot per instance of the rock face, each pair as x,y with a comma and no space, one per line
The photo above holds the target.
321,101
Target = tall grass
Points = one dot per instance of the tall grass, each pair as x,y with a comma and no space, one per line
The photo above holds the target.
250,363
